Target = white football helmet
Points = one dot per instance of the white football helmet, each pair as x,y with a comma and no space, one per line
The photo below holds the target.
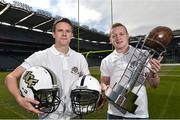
40,84
85,95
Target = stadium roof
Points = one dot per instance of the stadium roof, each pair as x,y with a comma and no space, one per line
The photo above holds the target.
21,15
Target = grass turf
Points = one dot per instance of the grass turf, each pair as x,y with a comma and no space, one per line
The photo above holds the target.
163,101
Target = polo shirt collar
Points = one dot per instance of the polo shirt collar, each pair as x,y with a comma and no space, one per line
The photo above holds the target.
120,54
56,52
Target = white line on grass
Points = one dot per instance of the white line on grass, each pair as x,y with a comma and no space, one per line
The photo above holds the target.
177,64
170,70
3,103
162,114
170,75
20,115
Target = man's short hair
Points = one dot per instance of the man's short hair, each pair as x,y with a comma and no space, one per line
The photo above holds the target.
119,25
66,20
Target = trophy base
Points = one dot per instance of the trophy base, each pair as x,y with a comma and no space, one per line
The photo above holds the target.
122,99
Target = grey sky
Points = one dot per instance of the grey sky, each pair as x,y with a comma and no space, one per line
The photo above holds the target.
140,16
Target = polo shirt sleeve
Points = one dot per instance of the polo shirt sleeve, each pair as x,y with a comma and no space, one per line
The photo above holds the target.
32,60
104,68
84,66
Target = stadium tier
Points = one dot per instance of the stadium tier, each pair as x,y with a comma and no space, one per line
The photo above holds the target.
24,31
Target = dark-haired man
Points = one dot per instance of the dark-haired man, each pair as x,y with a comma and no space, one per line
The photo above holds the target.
67,64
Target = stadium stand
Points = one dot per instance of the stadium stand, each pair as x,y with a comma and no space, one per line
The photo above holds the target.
172,54
24,31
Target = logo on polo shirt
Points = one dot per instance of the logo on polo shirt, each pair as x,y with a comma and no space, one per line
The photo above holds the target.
74,70
133,64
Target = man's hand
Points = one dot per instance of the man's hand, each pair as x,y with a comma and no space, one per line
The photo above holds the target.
154,69
26,103
102,101
105,81
155,64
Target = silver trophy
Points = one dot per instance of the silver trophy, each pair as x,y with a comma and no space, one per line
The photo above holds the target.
153,46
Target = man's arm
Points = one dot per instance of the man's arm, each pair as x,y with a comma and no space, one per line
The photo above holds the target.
11,81
104,86
105,81
154,79
153,76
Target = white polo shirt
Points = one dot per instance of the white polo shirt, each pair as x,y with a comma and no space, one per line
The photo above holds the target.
67,68
113,66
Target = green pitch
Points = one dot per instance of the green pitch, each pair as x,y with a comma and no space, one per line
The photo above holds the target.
163,101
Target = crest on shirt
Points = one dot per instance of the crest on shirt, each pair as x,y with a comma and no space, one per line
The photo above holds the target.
133,64
74,70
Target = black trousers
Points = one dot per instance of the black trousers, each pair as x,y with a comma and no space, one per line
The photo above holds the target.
111,117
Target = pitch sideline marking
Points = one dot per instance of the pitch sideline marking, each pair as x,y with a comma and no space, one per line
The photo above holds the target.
167,101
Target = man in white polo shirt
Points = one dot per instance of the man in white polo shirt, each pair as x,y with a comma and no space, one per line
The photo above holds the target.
113,66
67,64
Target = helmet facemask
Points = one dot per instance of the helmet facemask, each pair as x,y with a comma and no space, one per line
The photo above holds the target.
84,101
48,98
